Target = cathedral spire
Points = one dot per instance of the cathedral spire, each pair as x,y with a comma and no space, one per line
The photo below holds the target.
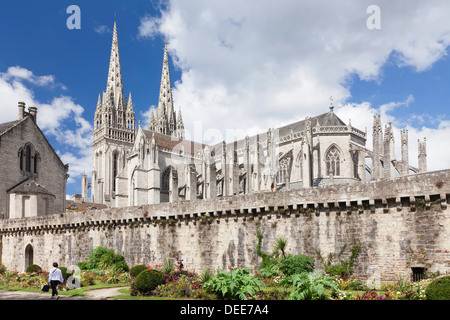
165,114
114,84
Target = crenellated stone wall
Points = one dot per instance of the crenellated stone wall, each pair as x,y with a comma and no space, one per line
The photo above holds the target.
398,224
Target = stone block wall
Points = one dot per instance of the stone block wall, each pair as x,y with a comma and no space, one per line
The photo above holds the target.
398,224
51,171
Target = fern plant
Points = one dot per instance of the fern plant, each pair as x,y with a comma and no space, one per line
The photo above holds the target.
310,285
236,284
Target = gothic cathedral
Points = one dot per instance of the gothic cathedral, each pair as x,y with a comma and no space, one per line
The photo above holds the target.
136,166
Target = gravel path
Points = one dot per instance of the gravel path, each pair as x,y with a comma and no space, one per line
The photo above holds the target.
97,294
103,294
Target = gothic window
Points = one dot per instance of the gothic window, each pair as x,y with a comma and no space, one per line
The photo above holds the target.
36,159
220,188
28,159
332,160
165,180
21,157
281,176
283,172
242,184
115,166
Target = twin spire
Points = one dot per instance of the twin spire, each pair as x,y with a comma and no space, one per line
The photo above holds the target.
164,119
115,110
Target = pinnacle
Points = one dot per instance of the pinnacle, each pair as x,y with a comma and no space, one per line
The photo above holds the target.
130,102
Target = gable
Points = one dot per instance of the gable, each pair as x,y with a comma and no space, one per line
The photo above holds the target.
35,135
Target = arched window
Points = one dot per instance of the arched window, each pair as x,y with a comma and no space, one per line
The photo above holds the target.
115,166
21,158
36,159
28,159
219,191
332,160
165,180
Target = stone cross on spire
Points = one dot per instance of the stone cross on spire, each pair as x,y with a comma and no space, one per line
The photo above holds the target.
331,104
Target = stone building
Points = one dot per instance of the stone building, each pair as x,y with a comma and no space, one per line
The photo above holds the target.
136,166
32,176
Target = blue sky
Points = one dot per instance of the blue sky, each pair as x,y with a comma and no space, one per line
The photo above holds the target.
237,68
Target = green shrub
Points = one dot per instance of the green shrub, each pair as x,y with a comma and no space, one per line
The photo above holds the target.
104,259
94,258
147,281
83,265
270,269
206,275
296,264
64,272
33,268
439,289
237,284
341,269
137,269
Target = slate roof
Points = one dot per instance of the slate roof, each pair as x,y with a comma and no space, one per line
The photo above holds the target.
325,119
170,142
6,126
83,206
31,187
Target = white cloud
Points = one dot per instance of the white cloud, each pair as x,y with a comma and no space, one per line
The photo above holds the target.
102,29
247,66
61,120
19,73
149,27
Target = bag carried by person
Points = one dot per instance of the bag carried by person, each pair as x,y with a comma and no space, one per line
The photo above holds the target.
46,288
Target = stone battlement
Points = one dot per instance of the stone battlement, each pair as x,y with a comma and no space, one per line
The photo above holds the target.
418,190
399,224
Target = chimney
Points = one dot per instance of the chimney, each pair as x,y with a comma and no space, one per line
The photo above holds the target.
21,110
33,113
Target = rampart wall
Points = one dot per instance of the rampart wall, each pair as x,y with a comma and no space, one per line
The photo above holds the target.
398,224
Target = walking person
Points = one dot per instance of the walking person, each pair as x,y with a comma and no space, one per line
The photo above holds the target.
54,278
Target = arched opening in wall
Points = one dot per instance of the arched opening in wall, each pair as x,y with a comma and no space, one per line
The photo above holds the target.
28,256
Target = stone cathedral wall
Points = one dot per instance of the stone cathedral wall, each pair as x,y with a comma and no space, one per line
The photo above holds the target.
398,224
